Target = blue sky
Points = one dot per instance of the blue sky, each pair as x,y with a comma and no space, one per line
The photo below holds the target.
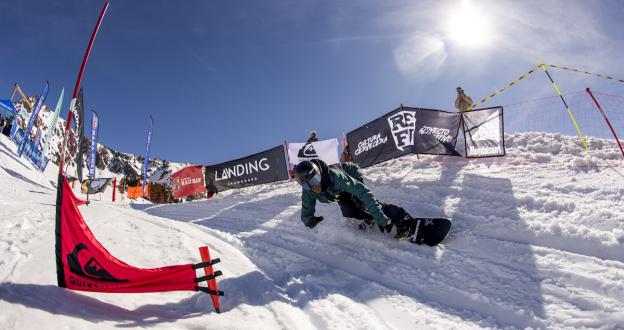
224,79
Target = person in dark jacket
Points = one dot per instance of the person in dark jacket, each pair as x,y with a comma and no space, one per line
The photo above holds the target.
313,137
344,184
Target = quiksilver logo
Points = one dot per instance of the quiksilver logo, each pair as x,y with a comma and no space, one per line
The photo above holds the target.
307,151
85,265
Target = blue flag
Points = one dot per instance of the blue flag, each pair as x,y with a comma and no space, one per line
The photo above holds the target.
93,150
147,151
7,107
33,118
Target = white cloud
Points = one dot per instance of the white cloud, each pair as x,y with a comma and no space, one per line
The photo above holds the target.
420,56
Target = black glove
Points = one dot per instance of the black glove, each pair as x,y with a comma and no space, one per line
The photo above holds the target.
313,221
386,226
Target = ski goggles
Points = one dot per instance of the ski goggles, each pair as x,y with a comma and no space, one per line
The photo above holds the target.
312,182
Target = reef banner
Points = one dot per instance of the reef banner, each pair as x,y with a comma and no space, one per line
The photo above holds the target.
403,131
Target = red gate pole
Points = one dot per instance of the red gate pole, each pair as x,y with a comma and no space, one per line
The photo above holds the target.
606,119
114,187
212,283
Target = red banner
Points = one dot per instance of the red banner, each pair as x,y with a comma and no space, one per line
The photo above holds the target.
188,181
82,263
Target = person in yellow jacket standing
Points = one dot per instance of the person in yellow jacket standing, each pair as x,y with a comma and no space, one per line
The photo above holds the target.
463,101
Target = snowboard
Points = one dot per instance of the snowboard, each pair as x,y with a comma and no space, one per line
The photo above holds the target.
430,231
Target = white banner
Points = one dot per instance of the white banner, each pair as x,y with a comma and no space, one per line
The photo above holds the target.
484,134
326,150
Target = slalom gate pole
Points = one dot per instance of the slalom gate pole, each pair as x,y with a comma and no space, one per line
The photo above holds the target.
604,115
212,283
77,87
114,187
578,129
526,74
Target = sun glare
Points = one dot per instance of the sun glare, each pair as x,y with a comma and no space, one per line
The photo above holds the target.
467,25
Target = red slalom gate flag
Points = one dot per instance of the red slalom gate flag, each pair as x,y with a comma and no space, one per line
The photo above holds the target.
188,181
82,263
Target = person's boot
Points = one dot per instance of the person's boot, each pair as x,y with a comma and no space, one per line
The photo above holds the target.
366,224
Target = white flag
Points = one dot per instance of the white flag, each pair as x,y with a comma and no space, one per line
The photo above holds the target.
326,150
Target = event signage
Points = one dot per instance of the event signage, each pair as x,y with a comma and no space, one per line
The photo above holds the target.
33,154
78,117
93,149
8,106
264,167
33,118
326,150
52,125
95,186
436,132
148,143
188,181
484,132
404,131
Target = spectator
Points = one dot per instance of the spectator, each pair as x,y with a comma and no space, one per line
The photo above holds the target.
312,137
463,101
346,155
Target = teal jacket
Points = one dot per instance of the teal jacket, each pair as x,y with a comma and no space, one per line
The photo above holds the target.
341,180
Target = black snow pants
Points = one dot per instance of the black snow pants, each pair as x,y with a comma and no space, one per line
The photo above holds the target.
351,207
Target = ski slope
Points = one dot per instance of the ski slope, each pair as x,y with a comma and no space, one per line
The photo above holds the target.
537,242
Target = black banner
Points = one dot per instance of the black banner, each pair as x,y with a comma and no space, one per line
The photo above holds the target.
264,167
403,131
95,186
436,132
79,117
484,132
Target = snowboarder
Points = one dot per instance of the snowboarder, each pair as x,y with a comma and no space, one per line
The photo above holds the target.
344,184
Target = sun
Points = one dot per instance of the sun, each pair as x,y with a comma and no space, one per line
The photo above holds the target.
468,26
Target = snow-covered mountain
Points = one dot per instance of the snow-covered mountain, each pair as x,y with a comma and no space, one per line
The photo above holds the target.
537,242
111,161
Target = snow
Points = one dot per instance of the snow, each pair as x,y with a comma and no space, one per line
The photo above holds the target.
537,242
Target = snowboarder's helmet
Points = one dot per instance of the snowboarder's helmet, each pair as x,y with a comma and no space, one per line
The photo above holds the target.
307,175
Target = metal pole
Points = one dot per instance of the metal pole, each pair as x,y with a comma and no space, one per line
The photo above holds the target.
578,129
604,115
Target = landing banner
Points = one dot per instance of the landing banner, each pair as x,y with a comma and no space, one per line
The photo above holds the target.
484,132
95,186
93,148
147,152
326,150
403,131
264,167
33,118
188,181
